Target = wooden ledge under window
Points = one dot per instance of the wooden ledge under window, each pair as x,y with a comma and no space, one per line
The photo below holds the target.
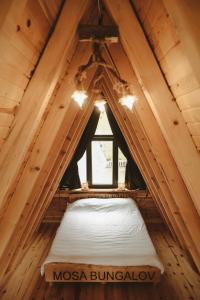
143,198
101,193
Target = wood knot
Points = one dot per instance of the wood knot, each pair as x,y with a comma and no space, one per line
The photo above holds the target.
61,106
28,23
175,122
18,28
169,264
37,168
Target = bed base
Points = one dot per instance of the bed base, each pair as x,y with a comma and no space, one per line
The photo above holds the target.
70,272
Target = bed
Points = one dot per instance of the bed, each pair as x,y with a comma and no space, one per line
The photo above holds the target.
102,240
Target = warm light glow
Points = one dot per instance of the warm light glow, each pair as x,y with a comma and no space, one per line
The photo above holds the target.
79,96
128,101
101,105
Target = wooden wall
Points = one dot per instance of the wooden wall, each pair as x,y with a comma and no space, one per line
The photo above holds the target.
22,41
42,137
170,53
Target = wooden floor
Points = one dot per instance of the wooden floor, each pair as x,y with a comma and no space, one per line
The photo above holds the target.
179,281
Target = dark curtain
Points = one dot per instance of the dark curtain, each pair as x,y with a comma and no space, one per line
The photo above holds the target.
133,177
71,178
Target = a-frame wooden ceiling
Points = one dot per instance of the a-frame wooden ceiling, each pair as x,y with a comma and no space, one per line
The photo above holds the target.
47,124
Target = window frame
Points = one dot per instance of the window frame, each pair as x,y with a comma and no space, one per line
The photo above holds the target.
114,166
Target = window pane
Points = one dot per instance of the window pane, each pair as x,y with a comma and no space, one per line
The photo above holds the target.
103,126
82,168
121,166
102,162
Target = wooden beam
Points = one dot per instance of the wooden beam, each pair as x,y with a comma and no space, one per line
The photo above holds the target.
42,157
37,95
141,153
158,95
63,158
91,33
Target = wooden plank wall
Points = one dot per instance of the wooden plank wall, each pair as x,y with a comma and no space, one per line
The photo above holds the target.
168,47
22,41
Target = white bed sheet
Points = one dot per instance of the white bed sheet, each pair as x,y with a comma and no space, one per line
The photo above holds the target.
103,232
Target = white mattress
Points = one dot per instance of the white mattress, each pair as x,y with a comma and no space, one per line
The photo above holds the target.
103,232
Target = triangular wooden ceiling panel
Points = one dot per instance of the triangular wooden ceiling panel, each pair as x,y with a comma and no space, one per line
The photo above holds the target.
59,123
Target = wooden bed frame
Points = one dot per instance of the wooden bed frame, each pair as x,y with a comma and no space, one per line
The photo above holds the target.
72,272
69,272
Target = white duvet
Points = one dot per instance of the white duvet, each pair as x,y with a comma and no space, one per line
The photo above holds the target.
103,232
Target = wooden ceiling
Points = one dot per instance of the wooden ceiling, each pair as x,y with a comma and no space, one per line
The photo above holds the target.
23,38
167,25
40,125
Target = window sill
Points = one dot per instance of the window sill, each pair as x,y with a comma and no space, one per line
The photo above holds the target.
133,193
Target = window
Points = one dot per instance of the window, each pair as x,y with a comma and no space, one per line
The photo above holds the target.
103,164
